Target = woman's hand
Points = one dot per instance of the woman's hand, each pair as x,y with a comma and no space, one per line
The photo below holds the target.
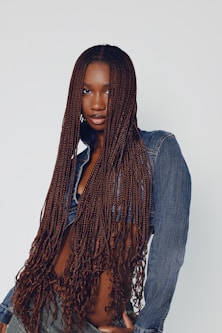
3,328
114,329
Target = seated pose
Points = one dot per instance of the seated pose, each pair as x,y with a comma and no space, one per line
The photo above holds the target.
89,269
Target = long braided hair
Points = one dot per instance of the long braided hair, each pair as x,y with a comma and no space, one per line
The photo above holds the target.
111,228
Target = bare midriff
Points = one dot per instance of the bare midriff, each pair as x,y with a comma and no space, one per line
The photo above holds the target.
100,316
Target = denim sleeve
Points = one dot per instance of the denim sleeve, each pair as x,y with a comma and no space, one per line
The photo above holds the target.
5,308
171,203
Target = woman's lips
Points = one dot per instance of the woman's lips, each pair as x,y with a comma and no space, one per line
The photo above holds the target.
97,119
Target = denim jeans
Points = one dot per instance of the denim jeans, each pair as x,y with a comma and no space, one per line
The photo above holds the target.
48,325
15,326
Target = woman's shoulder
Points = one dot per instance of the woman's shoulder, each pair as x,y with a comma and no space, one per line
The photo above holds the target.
163,146
154,139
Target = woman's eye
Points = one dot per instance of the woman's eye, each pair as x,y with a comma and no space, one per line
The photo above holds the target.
86,91
107,92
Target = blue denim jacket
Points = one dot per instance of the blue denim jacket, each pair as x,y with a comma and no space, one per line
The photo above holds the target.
169,219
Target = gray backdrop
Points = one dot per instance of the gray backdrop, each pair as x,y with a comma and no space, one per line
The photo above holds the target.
176,49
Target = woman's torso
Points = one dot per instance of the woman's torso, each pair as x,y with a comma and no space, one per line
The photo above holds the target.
85,164
100,315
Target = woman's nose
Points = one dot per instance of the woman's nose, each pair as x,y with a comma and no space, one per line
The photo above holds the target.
99,102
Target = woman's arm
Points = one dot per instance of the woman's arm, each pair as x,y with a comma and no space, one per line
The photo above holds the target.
171,203
5,308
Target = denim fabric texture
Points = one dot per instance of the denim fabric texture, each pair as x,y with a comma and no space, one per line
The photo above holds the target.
169,220
48,325
15,326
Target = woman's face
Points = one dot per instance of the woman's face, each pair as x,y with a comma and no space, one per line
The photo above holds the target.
95,95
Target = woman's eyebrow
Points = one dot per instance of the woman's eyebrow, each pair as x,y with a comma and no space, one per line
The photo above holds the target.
106,85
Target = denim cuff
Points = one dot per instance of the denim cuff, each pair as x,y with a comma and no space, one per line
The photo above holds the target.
138,329
5,314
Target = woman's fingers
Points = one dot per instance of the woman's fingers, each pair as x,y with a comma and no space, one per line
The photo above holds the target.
114,329
127,321
3,328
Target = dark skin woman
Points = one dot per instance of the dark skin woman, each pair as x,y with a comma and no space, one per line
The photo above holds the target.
87,267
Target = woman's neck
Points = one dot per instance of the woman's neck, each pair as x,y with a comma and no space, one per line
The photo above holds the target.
99,141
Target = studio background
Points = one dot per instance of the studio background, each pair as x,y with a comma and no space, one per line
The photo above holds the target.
176,49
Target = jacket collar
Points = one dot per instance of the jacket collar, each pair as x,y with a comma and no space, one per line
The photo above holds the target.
87,134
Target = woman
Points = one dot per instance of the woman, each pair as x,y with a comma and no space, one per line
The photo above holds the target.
86,267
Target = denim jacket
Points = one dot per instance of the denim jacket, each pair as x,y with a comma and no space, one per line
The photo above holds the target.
169,220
